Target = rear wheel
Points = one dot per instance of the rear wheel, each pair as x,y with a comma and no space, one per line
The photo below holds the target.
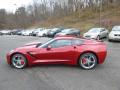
18,61
87,61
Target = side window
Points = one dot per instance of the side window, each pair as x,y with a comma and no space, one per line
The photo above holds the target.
102,30
60,43
77,42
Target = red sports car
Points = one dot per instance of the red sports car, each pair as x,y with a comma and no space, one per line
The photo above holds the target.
60,50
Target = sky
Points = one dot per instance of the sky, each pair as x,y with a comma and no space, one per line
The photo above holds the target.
11,5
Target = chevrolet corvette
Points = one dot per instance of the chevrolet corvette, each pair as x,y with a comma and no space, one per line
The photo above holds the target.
84,53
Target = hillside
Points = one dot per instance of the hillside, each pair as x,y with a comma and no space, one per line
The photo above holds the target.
85,19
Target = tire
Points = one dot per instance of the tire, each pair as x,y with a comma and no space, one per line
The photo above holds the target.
109,40
18,61
44,35
78,35
87,61
106,36
98,37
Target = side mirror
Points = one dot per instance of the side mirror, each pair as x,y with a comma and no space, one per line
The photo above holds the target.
38,44
49,47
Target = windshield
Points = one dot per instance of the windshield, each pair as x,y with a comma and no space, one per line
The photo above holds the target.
94,30
46,43
116,28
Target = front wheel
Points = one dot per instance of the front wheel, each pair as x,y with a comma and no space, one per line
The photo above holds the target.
77,35
44,35
87,61
18,61
98,37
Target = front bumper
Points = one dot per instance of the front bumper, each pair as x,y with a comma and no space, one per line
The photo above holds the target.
90,37
114,38
8,58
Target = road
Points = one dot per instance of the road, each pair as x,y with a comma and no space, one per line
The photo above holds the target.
58,77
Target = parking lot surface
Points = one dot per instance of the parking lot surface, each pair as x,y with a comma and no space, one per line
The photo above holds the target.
58,77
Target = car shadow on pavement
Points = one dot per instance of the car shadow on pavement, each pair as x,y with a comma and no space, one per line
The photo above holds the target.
62,66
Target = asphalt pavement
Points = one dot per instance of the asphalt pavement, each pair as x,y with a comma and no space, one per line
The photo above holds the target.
58,77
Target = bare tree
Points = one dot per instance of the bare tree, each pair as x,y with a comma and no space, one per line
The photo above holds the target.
3,14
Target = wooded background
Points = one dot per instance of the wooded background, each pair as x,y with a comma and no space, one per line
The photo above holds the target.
41,10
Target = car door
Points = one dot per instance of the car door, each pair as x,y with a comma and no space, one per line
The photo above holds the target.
57,51
42,54
62,50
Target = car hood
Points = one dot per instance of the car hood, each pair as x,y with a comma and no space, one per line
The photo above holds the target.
61,34
115,32
32,43
91,34
28,47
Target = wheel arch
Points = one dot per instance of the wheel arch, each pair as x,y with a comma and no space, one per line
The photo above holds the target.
17,53
88,52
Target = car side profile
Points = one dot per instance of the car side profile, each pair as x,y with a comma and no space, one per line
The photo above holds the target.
36,31
96,33
69,32
43,33
27,32
60,50
54,31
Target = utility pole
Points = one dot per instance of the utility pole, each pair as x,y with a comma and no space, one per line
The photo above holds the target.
100,11
16,16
